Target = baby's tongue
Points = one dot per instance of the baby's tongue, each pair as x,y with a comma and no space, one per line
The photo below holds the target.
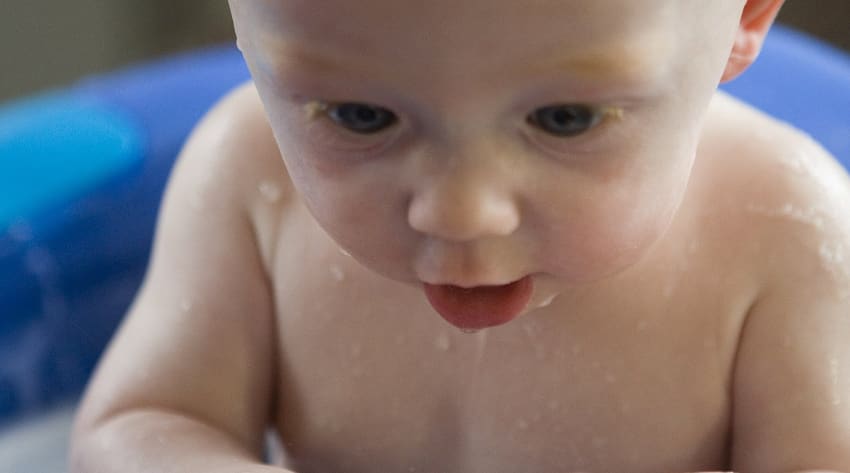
480,307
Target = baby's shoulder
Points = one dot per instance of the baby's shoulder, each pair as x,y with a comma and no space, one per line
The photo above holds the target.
785,197
232,154
233,144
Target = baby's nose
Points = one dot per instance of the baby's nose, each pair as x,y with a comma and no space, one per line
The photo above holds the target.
460,206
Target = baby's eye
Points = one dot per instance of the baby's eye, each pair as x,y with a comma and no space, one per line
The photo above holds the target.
361,118
566,120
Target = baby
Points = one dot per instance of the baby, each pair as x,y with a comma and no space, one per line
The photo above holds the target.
488,236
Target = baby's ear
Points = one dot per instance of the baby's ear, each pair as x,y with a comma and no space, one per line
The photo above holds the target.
756,20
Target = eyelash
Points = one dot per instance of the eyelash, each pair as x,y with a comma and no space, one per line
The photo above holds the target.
324,132
317,109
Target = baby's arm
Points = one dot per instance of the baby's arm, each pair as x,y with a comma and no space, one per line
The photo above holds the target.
186,386
792,377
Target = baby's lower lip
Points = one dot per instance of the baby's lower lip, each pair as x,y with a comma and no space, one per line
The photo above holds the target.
480,307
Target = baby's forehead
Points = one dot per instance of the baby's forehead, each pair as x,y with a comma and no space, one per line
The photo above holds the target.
506,15
516,35
408,23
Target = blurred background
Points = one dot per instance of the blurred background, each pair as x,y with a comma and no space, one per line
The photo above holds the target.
50,43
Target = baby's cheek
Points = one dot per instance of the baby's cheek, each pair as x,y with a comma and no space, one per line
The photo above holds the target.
603,240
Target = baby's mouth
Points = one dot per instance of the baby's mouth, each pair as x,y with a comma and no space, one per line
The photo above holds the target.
480,307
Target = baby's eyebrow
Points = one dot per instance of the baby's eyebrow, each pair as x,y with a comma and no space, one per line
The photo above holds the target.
629,63
621,64
284,55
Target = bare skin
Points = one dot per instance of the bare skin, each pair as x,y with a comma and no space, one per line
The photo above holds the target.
714,339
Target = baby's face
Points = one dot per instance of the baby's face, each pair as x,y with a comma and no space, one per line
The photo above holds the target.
476,142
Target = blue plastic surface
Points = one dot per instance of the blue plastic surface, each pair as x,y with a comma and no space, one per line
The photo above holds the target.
804,82
70,267
57,147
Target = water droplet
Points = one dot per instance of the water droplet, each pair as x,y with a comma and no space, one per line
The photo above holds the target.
836,385
610,378
539,353
469,331
186,305
797,162
788,211
553,405
270,191
399,340
337,273
693,246
833,260
443,343
522,424
599,441
344,252
831,254
546,302
356,350
641,325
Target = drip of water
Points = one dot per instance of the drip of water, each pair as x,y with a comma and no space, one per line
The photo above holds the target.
547,301
667,293
600,442
337,273
831,254
796,162
270,191
836,386
186,305
539,353
344,252
522,424
833,260
443,343
530,329
693,246
789,211
481,347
